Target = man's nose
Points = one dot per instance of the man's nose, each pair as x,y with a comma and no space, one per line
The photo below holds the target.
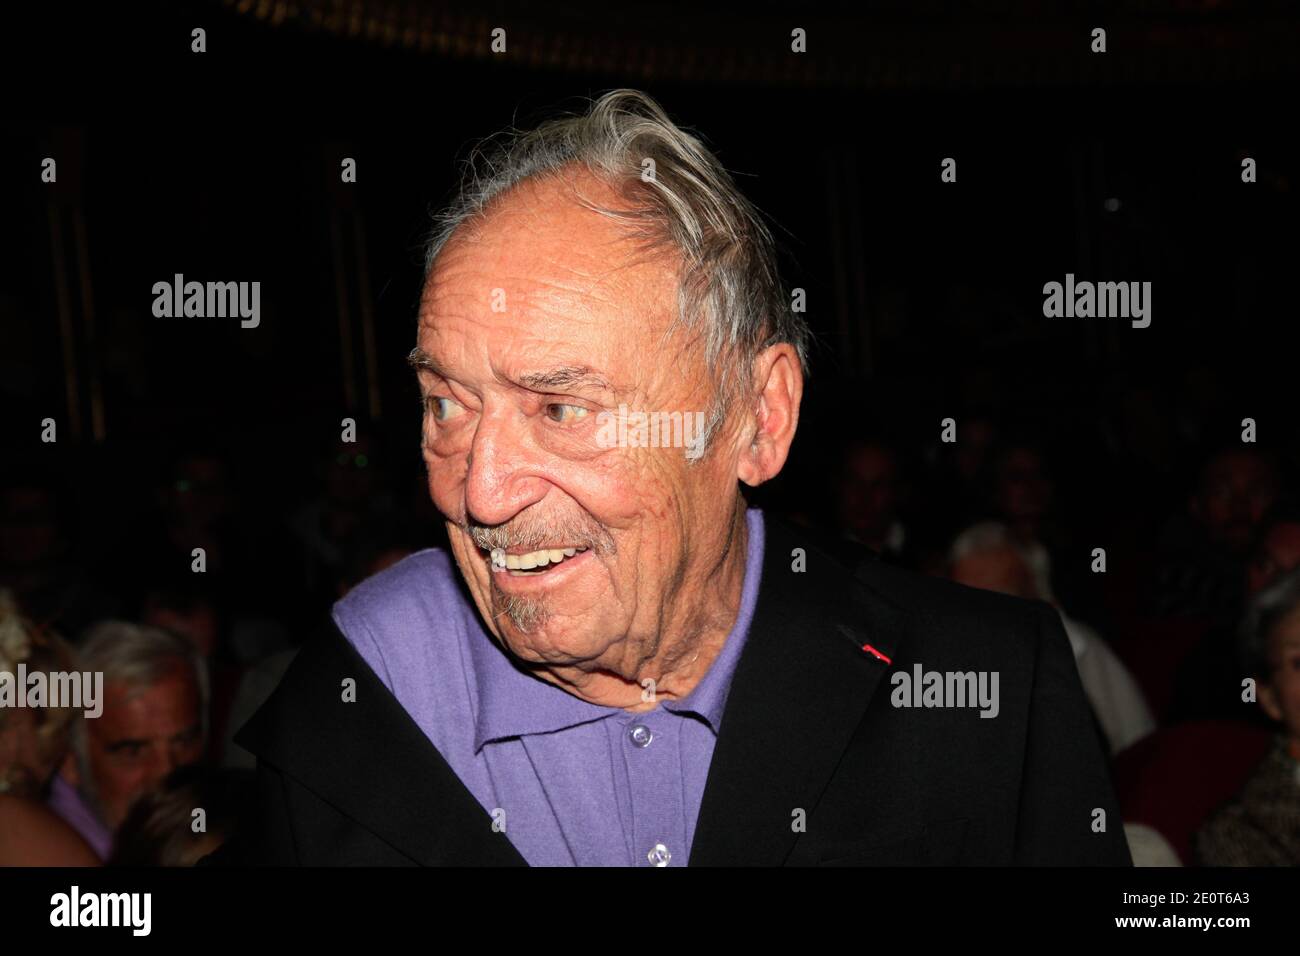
501,478
162,764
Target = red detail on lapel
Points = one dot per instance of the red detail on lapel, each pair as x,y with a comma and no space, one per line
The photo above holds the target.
876,654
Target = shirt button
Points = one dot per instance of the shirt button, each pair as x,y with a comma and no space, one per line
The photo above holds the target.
641,735
659,856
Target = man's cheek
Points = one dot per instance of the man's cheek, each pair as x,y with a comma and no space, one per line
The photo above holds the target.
445,486
118,785
640,477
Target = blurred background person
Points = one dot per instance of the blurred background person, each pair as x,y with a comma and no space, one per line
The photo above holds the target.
241,606
952,484
33,742
154,720
352,494
1023,493
44,558
1023,496
1208,680
870,497
185,818
371,550
1204,552
1261,825
177,601
988,556
1277,548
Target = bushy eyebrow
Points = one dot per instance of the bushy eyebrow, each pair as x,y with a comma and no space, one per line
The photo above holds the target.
420,360
564,377
554,379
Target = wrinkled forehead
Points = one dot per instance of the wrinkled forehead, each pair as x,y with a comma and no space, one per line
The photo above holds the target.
539,270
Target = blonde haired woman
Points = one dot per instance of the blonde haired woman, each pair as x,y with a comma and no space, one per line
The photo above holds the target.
32,745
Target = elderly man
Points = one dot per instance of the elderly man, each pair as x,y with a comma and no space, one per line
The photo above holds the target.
618,662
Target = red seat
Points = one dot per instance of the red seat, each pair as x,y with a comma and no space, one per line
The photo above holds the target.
1174,778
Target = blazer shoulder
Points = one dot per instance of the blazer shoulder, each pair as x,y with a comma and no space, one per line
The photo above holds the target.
946,601
284,713
853,579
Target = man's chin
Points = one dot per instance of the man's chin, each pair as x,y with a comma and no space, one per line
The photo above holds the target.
545,645
517,613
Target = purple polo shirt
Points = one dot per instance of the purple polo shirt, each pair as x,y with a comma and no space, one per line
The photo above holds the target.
572,782
72,807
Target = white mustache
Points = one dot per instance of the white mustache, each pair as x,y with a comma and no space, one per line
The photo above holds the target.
533,539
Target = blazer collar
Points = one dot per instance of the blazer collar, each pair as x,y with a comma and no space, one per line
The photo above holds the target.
369,760
818,647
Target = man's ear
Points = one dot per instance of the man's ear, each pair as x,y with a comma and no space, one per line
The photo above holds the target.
778,390
1268,700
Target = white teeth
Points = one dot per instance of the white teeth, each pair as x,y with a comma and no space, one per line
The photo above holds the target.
533,559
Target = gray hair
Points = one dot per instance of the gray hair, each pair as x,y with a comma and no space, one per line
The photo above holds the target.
1263,614
995,536
137,657
730,293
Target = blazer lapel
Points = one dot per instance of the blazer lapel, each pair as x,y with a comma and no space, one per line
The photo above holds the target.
800,690
370,761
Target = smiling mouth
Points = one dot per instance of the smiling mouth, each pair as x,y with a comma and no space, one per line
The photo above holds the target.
530,563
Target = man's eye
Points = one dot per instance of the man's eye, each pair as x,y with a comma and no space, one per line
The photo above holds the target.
443,408
565,414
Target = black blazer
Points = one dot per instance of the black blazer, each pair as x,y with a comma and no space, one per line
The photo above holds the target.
808,725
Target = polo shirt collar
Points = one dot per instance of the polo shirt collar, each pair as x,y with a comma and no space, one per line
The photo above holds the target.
514,703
